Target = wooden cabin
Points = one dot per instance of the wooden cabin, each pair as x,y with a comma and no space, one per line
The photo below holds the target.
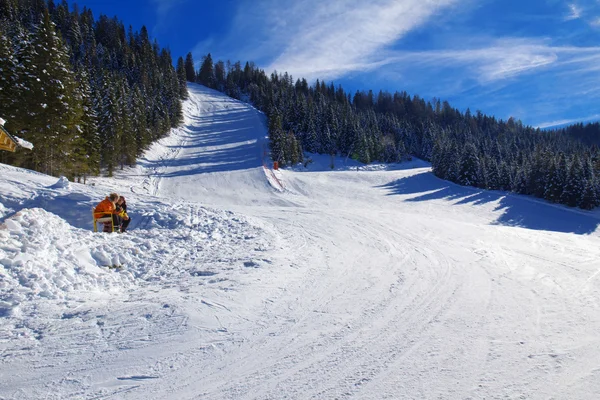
7,142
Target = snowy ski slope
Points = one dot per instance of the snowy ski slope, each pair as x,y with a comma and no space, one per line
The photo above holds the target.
239,282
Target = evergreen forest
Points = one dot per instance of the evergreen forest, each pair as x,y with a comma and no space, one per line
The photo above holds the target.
88,93
92,96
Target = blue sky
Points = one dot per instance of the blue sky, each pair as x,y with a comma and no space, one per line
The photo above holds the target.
535,60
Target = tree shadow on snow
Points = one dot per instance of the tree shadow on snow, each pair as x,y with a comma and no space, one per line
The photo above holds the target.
517,210
217,144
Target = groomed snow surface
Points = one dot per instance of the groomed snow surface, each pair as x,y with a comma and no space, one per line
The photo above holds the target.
240,282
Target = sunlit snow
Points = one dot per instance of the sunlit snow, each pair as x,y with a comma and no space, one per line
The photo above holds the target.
240,282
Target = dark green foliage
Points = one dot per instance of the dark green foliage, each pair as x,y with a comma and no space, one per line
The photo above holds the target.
277,138
589,197
491,174
505,180
468,172
575,184
49,111
87,152
181,77
206,75
555,180
11,87
220,76
88,95
190,68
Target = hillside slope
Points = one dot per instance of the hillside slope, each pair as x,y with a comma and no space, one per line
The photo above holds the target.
367,282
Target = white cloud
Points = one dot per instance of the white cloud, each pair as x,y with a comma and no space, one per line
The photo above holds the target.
563,122
345,38
328,39
502,59
163,7
163,12
531,79
574,12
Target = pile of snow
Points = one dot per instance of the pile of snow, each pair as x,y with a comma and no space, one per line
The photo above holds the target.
42,256
62,183
48,249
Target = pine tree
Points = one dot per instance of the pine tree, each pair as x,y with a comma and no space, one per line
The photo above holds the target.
401,148
139,119
469,166
87,153
436,158
538,173
446,161
575,184
74,36
110,124
588,199
128,143
190,68
554,183
311,134
362,149
492,175
220,76
520,183
505,176
293,151
10,84
206,75
277,138
54,114
181,77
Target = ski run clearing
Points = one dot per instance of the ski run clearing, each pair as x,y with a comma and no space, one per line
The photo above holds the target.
240,282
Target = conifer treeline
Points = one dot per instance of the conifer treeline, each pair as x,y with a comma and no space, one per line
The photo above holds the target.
90,94
87,93
562,166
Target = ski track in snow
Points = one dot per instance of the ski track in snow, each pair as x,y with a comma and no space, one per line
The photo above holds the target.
239,282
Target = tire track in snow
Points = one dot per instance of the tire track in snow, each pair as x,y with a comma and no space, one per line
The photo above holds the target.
327,359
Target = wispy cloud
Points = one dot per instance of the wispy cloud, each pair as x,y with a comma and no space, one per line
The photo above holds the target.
586,10
575,12
563,122
163,12
505,58
530,79
441,48
164,7
329,39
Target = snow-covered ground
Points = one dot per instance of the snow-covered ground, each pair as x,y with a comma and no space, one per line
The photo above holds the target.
240,282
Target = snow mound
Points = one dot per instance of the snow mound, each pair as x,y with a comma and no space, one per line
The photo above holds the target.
62,183
43,256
